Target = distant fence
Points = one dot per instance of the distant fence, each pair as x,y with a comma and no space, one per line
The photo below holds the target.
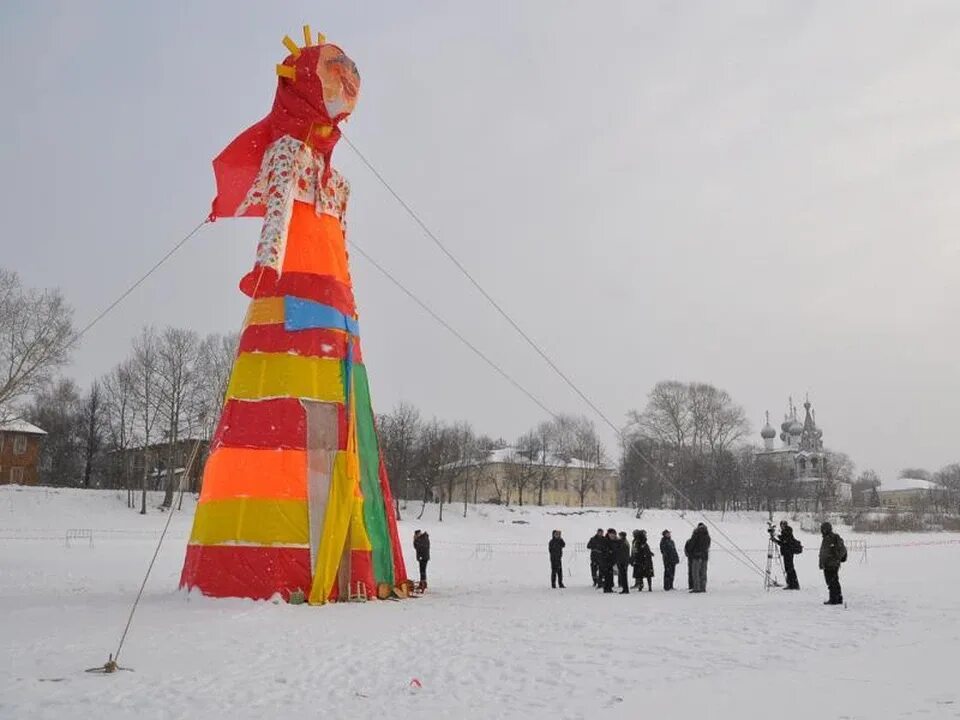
74,534
78,535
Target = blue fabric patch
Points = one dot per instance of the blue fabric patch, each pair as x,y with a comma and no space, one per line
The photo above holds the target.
300,314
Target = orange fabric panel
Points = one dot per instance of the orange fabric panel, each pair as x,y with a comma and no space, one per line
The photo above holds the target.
315,244
255,473
264,311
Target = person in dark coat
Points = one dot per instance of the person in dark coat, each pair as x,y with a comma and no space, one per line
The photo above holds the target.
686,553
788,548
642,559
833,552
555,547
623,560
699,555
421,544
594,546
608,559
668,551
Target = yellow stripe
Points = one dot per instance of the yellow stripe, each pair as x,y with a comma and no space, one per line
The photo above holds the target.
274,375
249,520
336,528
265,311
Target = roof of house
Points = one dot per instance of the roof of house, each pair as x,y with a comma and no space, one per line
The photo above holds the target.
913,484
511,456
21,426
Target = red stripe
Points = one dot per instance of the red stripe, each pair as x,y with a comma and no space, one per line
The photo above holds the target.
307,343
275,423
245,571
399,568
264,282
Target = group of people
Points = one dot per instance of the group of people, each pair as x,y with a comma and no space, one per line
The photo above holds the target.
611,553
833,553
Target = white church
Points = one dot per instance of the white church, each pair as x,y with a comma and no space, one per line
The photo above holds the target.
801,450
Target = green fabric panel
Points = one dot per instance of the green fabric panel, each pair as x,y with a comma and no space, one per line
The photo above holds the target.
374,513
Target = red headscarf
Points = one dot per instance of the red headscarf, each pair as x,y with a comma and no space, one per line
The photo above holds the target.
299,110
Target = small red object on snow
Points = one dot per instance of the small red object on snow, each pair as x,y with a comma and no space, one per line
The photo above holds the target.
415,683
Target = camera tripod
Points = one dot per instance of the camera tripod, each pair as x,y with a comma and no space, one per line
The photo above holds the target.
774,561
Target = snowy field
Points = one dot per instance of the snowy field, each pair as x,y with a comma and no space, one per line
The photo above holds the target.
490,640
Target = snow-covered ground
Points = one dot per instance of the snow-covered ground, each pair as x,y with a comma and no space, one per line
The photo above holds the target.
490,640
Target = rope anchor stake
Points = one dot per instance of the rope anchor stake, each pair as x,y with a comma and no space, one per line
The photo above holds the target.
110,666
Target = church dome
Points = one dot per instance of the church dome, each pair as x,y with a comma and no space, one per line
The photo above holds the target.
796,428
768,433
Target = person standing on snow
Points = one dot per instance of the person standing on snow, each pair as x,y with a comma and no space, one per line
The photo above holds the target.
555,548
833,552
686,553
421,544
668,551
623,560
594,546
789,546
642,559
608,559
699,555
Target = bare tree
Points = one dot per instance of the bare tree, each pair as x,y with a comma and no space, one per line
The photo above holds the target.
215,356
145,370
948,476
56,408
92,412
588,457
667,416
399,432
119,392
178,358
36,333
525,464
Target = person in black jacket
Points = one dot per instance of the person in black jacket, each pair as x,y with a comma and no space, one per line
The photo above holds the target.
642,559
594,545
788,548
623,561
555,547
668,551
421,544
699,555
608,559
833,552
686,553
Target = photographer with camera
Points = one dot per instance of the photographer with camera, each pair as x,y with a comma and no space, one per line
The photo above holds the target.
789,546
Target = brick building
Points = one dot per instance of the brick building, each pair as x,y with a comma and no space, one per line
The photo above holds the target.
19,452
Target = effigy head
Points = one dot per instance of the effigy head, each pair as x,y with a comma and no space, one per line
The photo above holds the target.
318,87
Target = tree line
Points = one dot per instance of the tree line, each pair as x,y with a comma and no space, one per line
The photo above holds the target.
446,462
688,446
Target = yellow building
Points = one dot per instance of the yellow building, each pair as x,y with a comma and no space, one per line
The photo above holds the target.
508,476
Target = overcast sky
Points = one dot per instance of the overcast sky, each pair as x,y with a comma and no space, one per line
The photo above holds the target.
761,195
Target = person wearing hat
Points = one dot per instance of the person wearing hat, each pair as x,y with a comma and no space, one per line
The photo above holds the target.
555,548
642,559
833,552
699,555
789,546
668,551
623,561
421,544
608,559
594,545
